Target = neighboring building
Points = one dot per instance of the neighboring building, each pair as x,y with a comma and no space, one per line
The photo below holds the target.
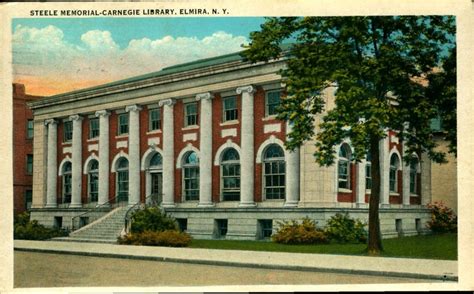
204,137
22,149
444,176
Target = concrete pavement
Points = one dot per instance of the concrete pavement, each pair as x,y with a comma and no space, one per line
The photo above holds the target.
380,266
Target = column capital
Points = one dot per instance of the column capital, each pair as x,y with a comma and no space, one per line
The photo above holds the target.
133,108
51,121
167,102
103,113
204,96
249,89
75,117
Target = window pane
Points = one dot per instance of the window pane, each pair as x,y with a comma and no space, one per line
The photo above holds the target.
272,101
29,164
94,128
29,129
155,120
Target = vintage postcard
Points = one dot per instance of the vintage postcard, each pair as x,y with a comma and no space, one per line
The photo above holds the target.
278,145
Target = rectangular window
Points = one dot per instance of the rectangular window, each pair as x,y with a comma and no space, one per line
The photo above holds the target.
28,199
94,186
155,120
58,222
272,101
265,227
93,128
368,176
413,183
67,131
275,180
190,114
231,182
191,183
343,170
29,164
122,192
67,188
221,228
393,180
123,124
230,109
29,129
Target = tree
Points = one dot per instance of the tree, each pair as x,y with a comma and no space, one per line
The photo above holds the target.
379,65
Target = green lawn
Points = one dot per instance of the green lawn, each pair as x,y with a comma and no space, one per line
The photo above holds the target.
430,247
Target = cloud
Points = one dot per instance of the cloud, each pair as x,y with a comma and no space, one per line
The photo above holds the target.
45,54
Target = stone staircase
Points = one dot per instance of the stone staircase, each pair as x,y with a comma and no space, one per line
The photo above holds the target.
104,230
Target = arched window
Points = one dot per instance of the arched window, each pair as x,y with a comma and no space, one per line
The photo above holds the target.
122,180
343,167
67,175
368,171
394,164
191,176
156,161
414,176
93,177
230,172
274,172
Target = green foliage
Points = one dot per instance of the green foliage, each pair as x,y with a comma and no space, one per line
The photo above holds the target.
168,238
24,229
293,232
443,218
152,219
343,229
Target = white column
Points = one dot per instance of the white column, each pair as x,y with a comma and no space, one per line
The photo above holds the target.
247,147
103,156
168,152
384,171
205,147
52,160
292,174
134,153
425,169
360,181
405,178
76,177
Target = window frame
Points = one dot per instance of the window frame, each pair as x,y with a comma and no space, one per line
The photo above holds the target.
94,132
188,168
67,183
123,126
30,129
121,193
28,196
274,105
414,176
368,172
191,119
93,196
393,170
233,112
152,122
234,163
272,163
29,164
67,131
344,162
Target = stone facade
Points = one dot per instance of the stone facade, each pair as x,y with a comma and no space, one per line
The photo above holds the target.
215,156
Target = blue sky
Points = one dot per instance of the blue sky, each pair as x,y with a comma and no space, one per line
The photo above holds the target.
55,55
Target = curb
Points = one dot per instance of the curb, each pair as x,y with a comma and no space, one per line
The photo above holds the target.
443,278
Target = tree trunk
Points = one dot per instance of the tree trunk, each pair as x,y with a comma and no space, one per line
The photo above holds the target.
375,237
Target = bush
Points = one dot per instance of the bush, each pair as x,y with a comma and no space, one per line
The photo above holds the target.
169,238
343,229
443,219
293,232
24,229
152,219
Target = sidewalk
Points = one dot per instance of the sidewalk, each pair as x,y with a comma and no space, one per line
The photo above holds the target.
381,266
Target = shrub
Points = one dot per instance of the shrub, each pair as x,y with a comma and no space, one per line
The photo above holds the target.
169,238
343,229
152,219
293,232
24,229
443,218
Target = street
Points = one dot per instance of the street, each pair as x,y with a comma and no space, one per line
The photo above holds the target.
33,269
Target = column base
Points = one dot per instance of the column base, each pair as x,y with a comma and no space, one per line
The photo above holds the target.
384,205
104,204
291,204
75,205
247,204
362,205
51,206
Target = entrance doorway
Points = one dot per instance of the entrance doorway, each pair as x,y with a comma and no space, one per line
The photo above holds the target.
156,187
